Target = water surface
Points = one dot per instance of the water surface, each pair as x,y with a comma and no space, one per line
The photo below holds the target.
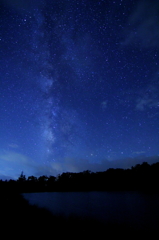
136,209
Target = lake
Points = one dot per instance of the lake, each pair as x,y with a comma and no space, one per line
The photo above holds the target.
137,209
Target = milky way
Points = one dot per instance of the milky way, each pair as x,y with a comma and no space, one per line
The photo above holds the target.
79,85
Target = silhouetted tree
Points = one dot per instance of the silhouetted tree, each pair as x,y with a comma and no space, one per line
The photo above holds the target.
22,177
51,183
32,179
143,177
43,179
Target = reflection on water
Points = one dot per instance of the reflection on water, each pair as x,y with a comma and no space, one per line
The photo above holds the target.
124,207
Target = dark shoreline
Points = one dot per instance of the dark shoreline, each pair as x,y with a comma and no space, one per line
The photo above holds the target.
24,219
20,218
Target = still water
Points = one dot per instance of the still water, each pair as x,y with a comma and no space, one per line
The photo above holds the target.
133,208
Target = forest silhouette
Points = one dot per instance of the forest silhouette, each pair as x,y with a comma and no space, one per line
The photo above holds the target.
141,177
18,216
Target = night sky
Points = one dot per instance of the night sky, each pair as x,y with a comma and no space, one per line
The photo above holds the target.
79,85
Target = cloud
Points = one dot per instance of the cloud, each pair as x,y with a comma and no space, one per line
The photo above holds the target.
13,145
126,163
139,152
145,102
79,165
143,25
12,163
13,157
148,98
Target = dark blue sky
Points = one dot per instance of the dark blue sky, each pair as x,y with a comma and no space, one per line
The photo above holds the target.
79,85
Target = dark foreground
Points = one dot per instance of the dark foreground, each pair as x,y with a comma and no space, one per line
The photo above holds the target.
22,220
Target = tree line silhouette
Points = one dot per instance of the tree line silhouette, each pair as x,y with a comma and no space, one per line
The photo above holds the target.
21,217
141,177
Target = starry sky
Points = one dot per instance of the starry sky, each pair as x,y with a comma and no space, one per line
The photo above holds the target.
79,85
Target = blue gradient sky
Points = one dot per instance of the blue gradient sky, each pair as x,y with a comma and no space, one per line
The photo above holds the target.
79,85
